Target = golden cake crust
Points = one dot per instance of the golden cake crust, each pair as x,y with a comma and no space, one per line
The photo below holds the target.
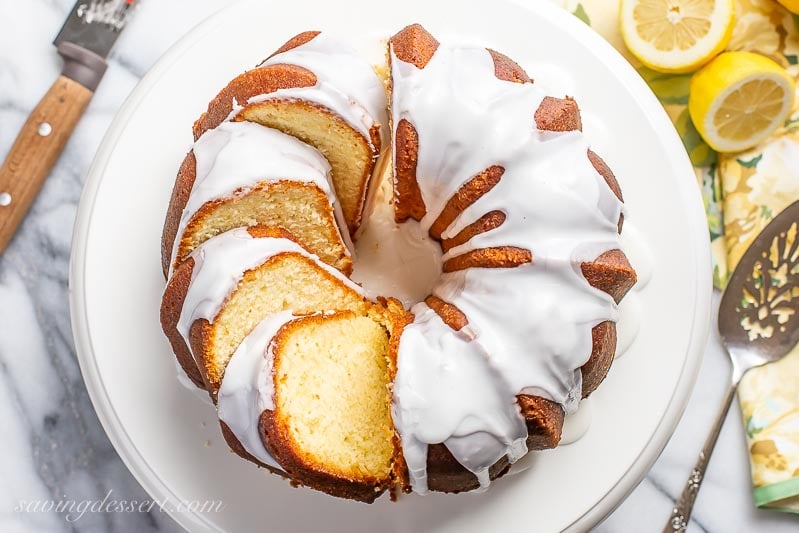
171,304
255,82
298,40
236,447
180,197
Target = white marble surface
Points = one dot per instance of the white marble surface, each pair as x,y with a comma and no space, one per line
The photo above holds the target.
53,447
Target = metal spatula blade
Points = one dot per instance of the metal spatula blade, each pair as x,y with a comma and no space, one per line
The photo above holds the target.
758,311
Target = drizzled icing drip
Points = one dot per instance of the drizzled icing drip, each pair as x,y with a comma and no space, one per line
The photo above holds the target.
530,326
346,84
248,388
236,156
220,263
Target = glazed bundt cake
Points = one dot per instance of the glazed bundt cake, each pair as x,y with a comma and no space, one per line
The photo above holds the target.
355,395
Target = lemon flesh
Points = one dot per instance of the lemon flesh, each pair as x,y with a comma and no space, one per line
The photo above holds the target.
739,99
676,35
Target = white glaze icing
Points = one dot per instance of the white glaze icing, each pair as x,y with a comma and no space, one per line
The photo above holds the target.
346,83
220,263
628,324
236,156
630,312
552,78
576,424
248,387
529,327
638,252
400,260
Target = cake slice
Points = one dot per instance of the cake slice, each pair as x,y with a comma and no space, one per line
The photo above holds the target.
226,287
320,91
330,427
243,174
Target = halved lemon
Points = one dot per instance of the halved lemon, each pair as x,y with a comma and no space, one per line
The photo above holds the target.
737,100
790,5
676,35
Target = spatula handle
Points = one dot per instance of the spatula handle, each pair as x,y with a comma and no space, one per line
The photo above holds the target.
681,513
36,151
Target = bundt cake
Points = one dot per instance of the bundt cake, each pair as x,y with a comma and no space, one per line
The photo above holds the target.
355,395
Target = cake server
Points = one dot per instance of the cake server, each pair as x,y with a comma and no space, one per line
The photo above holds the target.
83,42
758,323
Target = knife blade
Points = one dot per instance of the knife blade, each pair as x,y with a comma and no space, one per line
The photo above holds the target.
95,24
85,40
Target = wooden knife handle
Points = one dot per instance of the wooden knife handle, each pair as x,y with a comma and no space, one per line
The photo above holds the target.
36,151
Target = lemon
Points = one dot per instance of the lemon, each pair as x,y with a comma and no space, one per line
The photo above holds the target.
676,35
739,99
790,5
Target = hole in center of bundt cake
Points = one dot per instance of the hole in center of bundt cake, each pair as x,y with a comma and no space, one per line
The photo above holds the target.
397,259
332,399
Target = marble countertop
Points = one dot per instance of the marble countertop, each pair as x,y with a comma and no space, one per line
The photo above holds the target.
53,444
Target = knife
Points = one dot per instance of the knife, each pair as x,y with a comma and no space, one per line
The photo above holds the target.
83,42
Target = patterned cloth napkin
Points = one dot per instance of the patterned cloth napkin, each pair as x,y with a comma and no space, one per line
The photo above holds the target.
742,193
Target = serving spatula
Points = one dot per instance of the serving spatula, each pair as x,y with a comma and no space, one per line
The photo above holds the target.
83,42
759,324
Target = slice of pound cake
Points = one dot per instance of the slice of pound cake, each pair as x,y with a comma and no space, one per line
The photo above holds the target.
330,424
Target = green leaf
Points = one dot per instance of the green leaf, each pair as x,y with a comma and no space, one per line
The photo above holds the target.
795,20
716,276
766,212
752,163
792,59
718,195
751,428
699,152
580,13
669,88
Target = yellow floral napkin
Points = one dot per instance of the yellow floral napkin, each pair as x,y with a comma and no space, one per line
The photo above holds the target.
758,185
742,193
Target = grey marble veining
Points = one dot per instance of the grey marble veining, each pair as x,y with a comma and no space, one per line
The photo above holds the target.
53,447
